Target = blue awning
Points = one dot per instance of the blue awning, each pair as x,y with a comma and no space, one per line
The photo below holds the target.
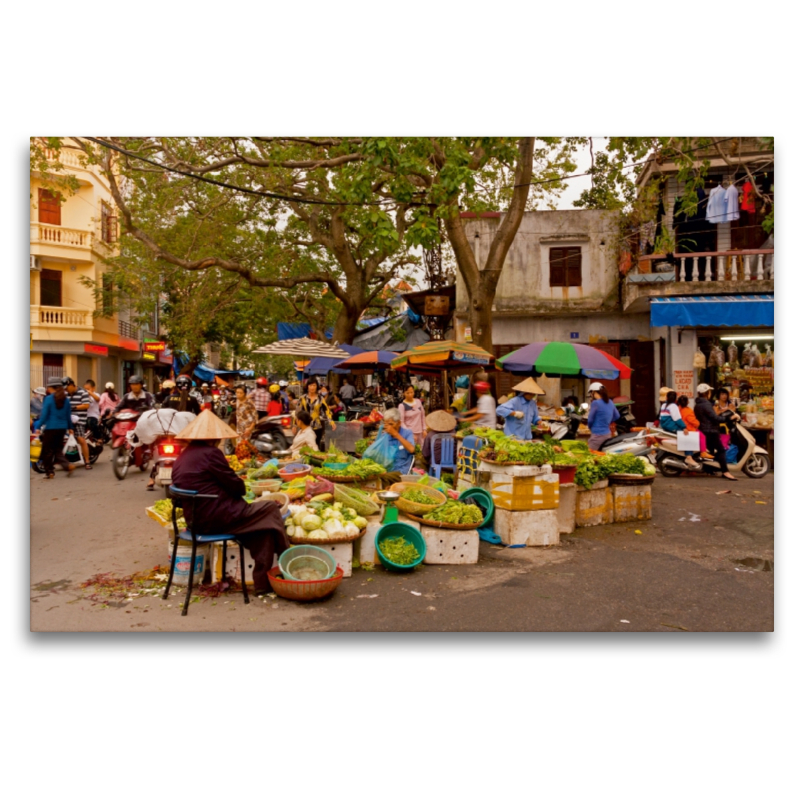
322,366
715,311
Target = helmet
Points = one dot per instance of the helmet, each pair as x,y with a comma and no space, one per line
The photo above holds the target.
183,382
110,385
204,386
134,379
595,387
274,388
282,384
482,386
67,381
168,384
261,382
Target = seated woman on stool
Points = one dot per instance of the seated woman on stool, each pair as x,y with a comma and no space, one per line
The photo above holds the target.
202,468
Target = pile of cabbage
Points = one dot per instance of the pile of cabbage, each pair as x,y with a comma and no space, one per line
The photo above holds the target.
320,521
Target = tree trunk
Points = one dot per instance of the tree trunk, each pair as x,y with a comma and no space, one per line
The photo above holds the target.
344,328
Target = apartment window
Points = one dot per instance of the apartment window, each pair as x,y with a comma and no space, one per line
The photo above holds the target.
108,296
565,266
53,367
49,207
108,223
50,287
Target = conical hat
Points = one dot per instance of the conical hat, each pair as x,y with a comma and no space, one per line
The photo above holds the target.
441,422
207,426
529,386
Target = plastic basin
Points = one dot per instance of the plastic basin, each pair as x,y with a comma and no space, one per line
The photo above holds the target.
396,530
291,471
303,591
306,556
566,473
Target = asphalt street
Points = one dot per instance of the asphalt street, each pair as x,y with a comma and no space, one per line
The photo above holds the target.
703,563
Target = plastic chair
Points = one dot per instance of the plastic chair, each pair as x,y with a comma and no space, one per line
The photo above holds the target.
447,455
180,497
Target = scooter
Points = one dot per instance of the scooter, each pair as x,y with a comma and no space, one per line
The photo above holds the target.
269,434
166,450
753,460
95,446
626,419
127,449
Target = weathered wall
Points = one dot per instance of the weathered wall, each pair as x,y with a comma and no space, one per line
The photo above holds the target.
524,286
516,330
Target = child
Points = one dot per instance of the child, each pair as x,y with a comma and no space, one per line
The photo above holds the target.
305,435
692,423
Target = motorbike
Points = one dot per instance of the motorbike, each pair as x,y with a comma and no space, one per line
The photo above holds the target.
753,460
93,442
626,419
270,434
127,449
166,450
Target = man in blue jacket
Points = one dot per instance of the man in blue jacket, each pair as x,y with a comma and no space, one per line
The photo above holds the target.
55,422
520,412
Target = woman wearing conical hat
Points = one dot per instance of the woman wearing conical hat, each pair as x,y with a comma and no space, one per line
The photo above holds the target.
520,412
202,468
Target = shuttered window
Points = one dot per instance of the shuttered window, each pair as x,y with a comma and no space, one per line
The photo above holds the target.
49,207
565,266
50,287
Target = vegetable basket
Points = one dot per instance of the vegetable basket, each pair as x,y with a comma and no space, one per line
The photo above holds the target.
630,479
396,530
432,523
294,470
340,539
356,499
409,506
304,591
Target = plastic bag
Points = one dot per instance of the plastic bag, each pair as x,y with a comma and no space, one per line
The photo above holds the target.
266,471
155,423
699,361
733,355
717,357
755,356
72,451
768,359
383,450
732,454
315,486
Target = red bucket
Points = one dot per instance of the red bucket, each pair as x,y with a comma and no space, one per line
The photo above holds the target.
566,473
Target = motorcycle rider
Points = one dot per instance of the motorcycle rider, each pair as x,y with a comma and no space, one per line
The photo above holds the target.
179,398
137,399
80,401
260,397
709,425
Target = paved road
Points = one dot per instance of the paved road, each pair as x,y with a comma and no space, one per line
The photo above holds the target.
703,563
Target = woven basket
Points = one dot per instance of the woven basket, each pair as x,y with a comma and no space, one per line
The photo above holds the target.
318,542
281,498
628,479
506,463
362,505
448,525
347,479
303,590
410,507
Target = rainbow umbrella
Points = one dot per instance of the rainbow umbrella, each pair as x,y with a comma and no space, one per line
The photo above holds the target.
564,358
438,355
368,360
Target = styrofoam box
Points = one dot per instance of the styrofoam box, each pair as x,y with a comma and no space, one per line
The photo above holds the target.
632,503
594,507
233,568
443,546
516,470
567,497
343,553
531,528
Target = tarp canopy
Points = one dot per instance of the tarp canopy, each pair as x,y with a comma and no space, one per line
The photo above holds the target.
382,337
297,330
714,311
322,366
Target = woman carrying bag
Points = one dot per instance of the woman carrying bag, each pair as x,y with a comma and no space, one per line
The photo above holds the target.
56,419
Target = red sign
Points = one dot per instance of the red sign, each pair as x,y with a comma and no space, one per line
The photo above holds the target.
97,349
155,347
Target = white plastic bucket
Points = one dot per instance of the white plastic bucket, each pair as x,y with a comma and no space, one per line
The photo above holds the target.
183,564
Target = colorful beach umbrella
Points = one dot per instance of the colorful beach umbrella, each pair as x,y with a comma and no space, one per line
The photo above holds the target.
564,358
438,355
368,360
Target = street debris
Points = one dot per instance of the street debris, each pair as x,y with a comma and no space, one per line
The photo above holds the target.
638,533
725,491
626,621
677,627
367,596
417,594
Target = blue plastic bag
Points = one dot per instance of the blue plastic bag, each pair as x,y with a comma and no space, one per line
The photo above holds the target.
732,454
383,450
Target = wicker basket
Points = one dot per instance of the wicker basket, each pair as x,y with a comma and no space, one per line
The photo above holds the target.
472,526
350,497
337,540
281,498
629,479
347,479
304,590
410,507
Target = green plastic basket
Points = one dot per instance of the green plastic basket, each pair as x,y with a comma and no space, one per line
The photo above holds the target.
396,530
484,501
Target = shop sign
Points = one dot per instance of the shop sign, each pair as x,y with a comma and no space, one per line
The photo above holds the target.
437,305
165,358
155,347
97,349
148,356
468,358
684,382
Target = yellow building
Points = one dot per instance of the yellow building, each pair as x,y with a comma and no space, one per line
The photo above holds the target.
69,239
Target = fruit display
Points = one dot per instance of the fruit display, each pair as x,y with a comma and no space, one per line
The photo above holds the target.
234,463
164,509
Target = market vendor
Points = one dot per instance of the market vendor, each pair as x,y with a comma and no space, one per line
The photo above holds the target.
202,468
404,438
305,435
521,412
437,422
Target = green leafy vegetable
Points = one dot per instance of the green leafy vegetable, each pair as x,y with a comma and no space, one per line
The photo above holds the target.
504,449
456,513
417,496
363,468
399,551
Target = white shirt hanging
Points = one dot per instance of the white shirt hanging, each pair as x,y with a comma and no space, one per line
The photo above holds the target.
731,204
717,207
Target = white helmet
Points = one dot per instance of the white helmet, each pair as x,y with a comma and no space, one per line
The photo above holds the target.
595,387
110,386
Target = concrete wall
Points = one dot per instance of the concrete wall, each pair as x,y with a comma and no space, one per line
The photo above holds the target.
523,330
524,286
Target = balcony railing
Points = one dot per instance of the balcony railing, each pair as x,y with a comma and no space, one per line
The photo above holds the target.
128,330
65,156
730,266
42,233
59,317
